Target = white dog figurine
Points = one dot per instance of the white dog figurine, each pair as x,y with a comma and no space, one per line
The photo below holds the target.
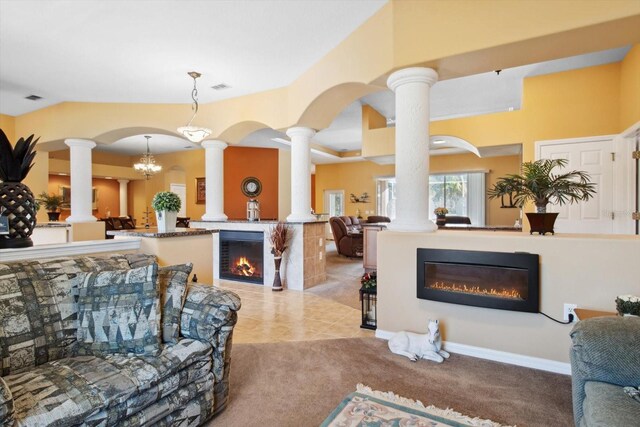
418,346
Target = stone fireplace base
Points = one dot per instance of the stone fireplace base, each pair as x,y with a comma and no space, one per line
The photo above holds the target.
303,264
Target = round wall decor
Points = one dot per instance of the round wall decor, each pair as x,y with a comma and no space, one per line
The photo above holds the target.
251,187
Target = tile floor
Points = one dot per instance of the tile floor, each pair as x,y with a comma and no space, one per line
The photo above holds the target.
268,316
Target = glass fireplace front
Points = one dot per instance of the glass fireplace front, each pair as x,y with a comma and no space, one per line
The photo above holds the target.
241,256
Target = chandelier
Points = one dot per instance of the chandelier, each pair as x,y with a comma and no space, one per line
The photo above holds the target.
194,133
147,165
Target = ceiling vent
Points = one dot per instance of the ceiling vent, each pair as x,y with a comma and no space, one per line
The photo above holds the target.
221,86
33,97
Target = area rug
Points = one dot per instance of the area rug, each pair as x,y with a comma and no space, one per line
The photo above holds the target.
369,408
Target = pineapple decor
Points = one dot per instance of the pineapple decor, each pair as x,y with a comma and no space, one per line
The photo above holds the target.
16,199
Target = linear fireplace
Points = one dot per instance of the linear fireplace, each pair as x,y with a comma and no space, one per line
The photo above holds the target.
241,256
506,281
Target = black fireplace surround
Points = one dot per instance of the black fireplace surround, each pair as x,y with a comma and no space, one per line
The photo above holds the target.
500,280
241,256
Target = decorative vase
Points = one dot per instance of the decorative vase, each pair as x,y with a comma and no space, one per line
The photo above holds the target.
542,223
277,283
441,220
18,204
53,216
166,221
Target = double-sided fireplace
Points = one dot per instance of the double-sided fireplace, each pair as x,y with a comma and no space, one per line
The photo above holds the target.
242,256
506,281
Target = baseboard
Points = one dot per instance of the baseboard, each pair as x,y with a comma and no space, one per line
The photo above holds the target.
497,356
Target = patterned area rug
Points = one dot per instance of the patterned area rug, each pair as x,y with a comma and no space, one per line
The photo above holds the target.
370,408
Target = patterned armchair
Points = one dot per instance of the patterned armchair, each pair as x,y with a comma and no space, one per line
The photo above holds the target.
187,383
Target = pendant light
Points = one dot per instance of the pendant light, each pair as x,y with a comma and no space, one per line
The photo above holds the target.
194,133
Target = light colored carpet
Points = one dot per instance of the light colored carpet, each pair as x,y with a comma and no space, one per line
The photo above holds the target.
343,279
299,383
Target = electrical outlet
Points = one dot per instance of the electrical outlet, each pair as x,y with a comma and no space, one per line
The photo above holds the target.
568,309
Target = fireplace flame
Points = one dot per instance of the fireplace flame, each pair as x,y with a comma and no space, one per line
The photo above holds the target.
477,290
244,267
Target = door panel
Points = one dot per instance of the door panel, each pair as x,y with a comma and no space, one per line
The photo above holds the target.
593,157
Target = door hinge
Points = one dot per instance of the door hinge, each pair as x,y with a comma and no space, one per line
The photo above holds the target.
613,215
613,157
635,155
635,216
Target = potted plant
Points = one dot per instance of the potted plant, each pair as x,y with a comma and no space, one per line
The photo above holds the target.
52,202
537,183
441,215
278,237
17,203
166,204
628,305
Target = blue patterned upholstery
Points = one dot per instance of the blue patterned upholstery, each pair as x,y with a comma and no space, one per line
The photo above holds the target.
605,357
186,384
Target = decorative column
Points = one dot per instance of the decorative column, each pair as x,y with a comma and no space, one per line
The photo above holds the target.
301,174
123,197
412,86
214,180
81,180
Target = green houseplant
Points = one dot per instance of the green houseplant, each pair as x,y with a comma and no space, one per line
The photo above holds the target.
52,202
17,202
538,184
167,205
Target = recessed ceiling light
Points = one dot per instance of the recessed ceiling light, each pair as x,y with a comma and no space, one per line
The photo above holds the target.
33,97
220,86
62,174
108,177
439,141
188,147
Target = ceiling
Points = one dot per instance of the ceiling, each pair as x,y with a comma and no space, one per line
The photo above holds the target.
67,53
141,51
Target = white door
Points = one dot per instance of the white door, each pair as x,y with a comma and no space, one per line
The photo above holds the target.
181,191
594,156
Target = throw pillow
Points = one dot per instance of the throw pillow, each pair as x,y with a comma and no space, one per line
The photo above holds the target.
172,282
119,312
38,318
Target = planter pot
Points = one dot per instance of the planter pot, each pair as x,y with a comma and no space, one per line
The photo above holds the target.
166,221
54,216
441,220
542,223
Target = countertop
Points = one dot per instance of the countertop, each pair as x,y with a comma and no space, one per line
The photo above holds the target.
154,233
53,225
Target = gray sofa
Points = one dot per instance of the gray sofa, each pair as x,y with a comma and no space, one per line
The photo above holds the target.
605,357
48,381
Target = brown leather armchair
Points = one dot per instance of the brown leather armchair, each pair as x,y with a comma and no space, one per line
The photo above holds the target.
348,236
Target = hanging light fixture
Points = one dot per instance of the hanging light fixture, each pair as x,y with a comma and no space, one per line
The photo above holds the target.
147,165
194,133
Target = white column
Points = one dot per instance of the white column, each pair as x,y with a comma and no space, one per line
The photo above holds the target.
123,197
214,180
81,180
301,174
411,86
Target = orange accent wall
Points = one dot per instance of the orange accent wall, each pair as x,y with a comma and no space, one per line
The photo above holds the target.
108,195
241,162
313,192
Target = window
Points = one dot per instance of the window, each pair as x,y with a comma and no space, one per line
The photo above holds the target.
462,193
386,197
334,202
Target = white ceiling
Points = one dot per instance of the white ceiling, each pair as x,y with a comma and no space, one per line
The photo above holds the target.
141,51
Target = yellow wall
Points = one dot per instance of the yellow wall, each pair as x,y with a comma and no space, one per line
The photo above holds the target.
360,177
8,125
356,178
630,88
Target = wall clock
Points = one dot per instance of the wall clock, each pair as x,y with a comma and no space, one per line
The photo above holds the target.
251,187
